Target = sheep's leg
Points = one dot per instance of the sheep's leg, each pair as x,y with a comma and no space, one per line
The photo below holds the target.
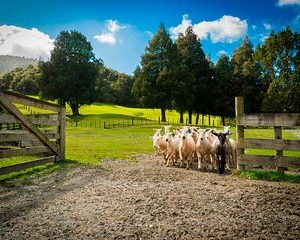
227,162
199,160
168,160
188,159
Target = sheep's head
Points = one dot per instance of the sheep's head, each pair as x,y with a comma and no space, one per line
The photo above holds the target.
202,133
156,132
167,128
168,136
185,132
221,136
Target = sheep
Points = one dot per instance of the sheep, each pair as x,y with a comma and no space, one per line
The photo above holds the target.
203,148
167,128
172,147
219,148
159,145
231,147
187,147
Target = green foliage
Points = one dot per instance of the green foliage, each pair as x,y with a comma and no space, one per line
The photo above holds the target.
279,58
114,87
154,80
268,176
22,80
71,73
194,75
246,75
223,103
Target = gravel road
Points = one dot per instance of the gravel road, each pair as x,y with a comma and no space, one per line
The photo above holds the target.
143,200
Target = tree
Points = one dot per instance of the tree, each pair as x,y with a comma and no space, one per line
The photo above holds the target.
22,80
114,87
195,73
247,82
222,91
155,78
70,75
279,58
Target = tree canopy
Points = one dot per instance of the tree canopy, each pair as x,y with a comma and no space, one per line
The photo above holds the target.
71,73
156,77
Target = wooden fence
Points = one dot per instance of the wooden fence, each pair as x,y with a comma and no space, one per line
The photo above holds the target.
30,134
277,121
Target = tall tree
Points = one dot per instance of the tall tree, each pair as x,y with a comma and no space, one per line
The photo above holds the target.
247,82
223,92
155,79
279,58
195,75
70,74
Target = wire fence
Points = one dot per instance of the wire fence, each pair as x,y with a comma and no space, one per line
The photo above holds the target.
134,121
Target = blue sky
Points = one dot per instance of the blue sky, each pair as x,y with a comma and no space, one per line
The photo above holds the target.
120,30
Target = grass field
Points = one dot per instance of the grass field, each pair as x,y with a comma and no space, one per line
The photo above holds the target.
88,145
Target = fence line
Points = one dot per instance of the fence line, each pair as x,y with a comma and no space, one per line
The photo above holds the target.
134,121
277,121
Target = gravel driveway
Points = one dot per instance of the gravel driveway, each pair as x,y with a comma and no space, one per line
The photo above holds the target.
140,200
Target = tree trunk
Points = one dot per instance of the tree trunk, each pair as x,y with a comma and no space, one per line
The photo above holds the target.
208,119
181,117
197,118
75,108
202,119
190,116
163,115
223,120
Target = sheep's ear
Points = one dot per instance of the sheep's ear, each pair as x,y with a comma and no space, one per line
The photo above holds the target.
214,133
173,134
206,130
195,129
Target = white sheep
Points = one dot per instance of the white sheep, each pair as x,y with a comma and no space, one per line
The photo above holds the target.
203,148
172,148
187,147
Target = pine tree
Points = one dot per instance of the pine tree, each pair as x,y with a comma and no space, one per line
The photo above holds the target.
155,79
192,93
223,82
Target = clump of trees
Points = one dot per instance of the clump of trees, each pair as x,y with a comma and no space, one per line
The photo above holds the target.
268,77
22,80
171,75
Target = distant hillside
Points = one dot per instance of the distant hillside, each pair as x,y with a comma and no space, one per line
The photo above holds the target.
9,63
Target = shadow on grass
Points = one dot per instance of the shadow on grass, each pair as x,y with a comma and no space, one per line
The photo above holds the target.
39,170
268,176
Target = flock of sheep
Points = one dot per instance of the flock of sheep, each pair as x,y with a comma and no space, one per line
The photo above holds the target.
210,147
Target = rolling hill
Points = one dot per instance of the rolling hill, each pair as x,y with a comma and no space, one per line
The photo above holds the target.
9,63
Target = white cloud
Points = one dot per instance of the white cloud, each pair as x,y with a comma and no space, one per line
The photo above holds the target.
29,43
185,23
113,26
288,2
253,27
108,36
222,52
226,29
267,26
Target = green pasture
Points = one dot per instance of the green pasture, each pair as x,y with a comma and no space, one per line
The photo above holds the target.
90,145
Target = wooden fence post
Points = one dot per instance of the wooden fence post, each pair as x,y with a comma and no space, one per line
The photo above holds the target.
239,112
62,132
279,153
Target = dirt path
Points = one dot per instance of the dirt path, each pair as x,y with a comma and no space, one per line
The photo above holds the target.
122,200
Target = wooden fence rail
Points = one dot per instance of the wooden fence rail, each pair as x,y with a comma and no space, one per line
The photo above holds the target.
32,136
277,121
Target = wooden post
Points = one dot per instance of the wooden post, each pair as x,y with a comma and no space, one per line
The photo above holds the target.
62,131
239,113
279,153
